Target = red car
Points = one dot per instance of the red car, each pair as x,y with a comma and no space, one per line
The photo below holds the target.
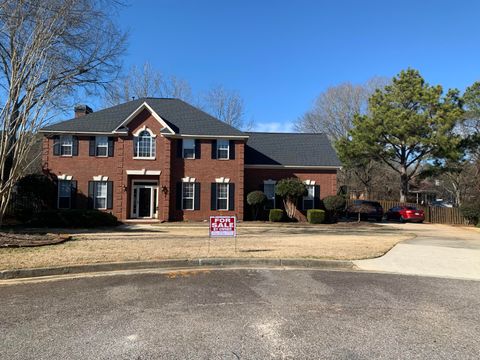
405,213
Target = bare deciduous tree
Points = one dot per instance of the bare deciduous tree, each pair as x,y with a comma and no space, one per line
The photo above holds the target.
228,106
48,49
146,82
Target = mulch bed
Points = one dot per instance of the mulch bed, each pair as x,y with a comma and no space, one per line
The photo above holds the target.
8,239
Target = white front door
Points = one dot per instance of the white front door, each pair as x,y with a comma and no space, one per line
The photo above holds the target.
144,200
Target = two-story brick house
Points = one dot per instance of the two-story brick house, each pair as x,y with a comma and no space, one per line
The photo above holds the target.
165,159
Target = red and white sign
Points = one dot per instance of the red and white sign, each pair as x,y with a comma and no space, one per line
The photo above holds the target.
223,226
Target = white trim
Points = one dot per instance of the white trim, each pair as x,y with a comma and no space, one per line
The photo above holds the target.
233,137
95,193
309,182
188,179
270,182
144,128
153,211
222,180
65,177
143,172
144,105
228,149
100,178
313,167
194,150
82,132
228,198
193,198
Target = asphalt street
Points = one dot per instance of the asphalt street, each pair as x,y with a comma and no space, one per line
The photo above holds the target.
242,314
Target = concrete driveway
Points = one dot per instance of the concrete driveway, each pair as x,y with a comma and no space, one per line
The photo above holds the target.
437,250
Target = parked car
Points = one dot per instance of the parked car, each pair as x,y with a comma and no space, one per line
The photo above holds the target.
367,209
405,213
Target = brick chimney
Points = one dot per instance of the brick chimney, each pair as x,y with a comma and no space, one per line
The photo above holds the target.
82,110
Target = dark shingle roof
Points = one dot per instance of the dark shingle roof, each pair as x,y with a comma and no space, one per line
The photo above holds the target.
290,149
180,116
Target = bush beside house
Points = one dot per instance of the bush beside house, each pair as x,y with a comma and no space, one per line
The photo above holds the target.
256,199
334,205
73,218
316,216
275,215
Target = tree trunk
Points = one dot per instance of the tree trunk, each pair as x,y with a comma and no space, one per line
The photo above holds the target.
403,186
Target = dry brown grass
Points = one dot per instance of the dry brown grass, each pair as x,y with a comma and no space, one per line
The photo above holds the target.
192,242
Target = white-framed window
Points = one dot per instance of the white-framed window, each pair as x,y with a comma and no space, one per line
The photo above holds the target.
269,191
188,150
101,145
308,200
144,145
223,149
222,196
188,196
100,201
66,145
64,194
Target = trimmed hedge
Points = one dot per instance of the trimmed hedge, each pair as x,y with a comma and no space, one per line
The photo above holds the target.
316,216
275,215
73,218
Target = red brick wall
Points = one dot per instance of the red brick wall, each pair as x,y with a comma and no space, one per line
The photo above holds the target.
84,167
327,179
205,170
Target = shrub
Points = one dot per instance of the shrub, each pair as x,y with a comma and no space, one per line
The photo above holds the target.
316,216
256,199
73,218
334,205
35,193
290,190
471,211
275,215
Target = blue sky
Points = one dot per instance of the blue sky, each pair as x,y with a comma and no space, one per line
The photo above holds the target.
279,55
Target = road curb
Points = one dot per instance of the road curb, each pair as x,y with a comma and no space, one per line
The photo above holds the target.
186,263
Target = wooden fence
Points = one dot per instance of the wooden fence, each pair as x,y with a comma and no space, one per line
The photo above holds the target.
433,214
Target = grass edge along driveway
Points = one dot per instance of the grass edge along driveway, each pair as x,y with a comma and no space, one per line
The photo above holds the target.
157,242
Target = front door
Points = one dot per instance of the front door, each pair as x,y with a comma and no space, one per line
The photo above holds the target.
144,200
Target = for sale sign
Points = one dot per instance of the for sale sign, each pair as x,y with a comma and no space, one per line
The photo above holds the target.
223,226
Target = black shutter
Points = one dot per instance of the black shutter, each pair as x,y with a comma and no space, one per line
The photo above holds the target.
73,194
232,149
214,149
91,146
179,196
179,148
91,194
198,150
196,205
213,198
109,194
231,196
56,145
317,204
75,146
110,146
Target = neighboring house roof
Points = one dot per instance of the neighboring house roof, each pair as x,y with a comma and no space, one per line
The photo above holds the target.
181,117
289,150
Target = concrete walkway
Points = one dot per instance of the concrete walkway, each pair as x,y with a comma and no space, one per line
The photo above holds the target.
437,250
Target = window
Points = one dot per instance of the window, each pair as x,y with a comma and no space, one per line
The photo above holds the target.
222,196
269,191
66,145
188,148
308,200
100,201
144,146
64,194
101,146
223,149
188,195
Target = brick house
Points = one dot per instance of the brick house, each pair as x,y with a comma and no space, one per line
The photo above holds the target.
164,159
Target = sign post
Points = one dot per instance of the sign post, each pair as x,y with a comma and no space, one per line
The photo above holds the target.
223,226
